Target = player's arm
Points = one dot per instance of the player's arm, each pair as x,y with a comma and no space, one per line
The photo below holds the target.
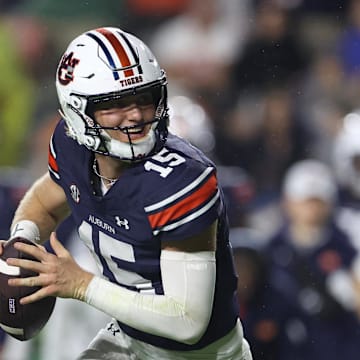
42,208
188,273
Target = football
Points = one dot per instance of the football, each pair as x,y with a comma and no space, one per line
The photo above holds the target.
22,322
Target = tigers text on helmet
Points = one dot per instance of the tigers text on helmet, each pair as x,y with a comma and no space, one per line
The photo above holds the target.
105,65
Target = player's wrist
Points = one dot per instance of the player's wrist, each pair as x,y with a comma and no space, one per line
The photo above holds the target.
82,288
26,229
92,289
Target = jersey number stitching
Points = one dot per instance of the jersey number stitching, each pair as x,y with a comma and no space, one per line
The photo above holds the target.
106,250
163,157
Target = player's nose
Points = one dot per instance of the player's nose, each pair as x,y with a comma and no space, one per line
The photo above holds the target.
134,113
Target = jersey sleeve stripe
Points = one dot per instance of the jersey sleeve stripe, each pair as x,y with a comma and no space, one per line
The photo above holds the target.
179,194
51,147
186,205
54,173
190,217
52,164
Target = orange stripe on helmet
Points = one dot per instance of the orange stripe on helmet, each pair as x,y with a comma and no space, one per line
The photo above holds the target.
184,206
119,49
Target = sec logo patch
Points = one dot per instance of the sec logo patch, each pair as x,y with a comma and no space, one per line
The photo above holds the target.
75,193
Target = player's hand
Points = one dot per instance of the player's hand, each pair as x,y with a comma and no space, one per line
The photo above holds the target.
2,243
58,274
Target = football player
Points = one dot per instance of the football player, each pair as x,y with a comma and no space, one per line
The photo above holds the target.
145,202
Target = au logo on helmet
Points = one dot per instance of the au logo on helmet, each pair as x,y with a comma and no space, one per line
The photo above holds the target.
66,69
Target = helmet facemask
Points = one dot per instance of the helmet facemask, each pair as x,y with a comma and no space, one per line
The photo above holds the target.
132,150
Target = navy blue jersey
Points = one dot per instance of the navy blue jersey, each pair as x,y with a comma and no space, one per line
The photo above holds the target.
171,196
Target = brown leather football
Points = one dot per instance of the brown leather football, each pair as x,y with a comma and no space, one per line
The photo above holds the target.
22,322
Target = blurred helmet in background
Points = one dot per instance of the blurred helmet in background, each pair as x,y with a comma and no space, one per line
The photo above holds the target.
190,121
346,155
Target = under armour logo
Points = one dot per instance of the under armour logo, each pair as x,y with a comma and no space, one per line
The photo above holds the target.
16,229
122,222
114,329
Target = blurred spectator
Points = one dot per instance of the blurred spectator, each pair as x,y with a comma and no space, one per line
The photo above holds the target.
238,134
284,139
322,103
263,136
270,320
198,47
35,47
346,163
191,121
239,192
16,99
349,41
273,55
313,265
348,51
145,15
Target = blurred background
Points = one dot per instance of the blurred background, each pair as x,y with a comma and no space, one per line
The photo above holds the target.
268,89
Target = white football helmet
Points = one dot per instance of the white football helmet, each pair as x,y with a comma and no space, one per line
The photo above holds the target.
108,64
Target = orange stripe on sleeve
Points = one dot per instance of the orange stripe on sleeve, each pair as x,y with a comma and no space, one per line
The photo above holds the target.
186,205
52,162
120,51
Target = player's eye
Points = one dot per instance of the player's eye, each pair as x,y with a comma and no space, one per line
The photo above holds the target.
107,105
145,99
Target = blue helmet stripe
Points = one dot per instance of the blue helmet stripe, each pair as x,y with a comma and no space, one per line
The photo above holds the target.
107,54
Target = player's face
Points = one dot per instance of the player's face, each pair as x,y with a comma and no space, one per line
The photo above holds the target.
312,211
132,111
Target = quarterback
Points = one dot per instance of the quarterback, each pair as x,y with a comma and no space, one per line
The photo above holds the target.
146,204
